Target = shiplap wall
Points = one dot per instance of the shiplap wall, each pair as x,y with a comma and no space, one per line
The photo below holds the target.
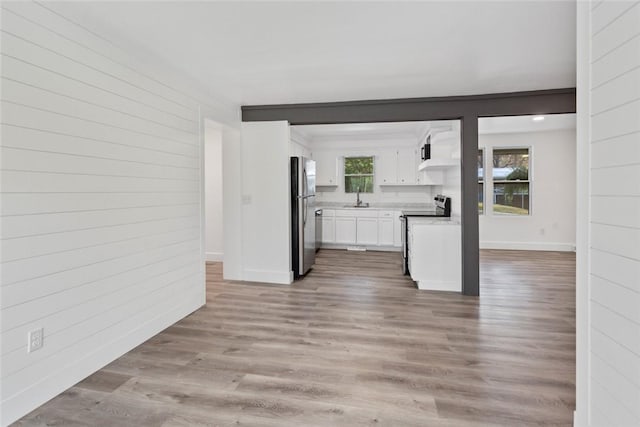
101,210
615,214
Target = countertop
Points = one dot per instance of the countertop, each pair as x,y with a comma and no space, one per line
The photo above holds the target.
378,206
426,220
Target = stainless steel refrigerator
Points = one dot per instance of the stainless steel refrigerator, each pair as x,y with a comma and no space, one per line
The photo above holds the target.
303,218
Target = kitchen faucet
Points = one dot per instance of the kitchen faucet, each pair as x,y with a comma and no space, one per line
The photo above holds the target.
358,201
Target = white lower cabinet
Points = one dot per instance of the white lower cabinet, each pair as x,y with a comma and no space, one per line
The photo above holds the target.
385,228
385,232
328,229
345,228
435,256
364,227
397,229
367,231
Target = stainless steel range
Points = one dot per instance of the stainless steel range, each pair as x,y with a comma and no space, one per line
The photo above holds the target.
442,209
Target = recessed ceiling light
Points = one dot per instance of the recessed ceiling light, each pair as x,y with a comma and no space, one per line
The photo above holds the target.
538,118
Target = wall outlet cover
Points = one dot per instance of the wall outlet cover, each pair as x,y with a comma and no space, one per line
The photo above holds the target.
35,340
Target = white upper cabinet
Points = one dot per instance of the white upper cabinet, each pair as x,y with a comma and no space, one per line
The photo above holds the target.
387,168
326,168
398,167
407,166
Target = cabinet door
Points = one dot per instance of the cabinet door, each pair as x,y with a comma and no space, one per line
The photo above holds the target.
407,166
385,232
328,230
387,168
345,230
418,160
367,233
397,229
435,257
326,168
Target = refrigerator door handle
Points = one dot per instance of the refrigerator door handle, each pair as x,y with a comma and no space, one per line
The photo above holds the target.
305,182
304,208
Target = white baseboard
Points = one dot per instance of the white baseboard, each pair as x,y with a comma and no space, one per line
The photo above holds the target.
214,256
37,394
266,276
529,246
367,247
440,285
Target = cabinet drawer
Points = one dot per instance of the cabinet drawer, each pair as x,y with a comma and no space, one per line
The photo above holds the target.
328,212
365,213
385,214
345,213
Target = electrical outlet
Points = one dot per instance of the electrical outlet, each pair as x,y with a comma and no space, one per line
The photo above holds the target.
35,340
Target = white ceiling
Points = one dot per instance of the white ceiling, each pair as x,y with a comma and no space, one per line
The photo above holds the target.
286,52
519,124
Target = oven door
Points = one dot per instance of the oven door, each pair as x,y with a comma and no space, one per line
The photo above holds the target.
405,246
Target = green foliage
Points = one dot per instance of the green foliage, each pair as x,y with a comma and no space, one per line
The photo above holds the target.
519,172
358,174
513,210
364,183
509,190
358,166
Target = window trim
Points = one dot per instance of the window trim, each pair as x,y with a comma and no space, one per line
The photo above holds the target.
372,174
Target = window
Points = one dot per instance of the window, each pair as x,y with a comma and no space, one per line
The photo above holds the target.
480,181
511,181
358,174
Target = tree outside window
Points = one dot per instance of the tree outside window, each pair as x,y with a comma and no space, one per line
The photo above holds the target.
511,181
358,174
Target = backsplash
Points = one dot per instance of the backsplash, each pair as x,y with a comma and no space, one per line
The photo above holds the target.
409,194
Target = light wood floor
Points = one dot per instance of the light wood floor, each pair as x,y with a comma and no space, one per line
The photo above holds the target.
353,344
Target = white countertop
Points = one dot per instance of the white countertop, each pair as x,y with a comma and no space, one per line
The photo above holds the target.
425,220
378,206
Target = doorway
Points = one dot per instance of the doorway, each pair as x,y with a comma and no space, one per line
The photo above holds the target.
213,192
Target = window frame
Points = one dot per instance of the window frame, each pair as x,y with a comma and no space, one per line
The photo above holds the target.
529,181
372,174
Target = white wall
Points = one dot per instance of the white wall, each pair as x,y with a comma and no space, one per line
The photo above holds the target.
447,145
101,192
551,223
608,298
299,144
266,224
377,146
213,191
232,203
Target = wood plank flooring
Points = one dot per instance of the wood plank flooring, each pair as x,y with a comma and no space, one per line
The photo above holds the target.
353,344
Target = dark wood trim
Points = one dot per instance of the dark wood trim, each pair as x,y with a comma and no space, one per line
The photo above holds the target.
466,108
555,101
469,214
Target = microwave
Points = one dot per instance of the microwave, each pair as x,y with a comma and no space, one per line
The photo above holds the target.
425,151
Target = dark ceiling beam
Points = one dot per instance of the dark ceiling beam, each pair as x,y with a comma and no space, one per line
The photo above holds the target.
556,101
467,109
